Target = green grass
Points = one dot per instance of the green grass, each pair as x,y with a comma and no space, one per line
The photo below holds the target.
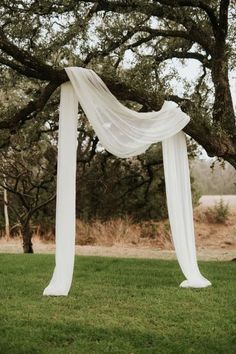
115,306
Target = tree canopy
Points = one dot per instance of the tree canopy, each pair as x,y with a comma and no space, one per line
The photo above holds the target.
39,38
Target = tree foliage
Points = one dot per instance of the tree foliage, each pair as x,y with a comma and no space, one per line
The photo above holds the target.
134,45
27,173
110,187
39,38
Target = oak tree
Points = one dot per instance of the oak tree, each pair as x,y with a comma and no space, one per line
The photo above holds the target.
39,38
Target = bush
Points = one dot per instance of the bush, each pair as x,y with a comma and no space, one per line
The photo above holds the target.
148,230
219,213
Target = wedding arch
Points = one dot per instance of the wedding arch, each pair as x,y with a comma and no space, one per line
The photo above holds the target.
124,133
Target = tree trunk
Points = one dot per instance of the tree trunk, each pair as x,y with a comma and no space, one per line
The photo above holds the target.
27,235
6,215
223,109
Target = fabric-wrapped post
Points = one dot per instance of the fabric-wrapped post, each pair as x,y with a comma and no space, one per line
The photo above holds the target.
124,133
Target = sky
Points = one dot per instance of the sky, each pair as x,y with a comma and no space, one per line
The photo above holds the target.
191,71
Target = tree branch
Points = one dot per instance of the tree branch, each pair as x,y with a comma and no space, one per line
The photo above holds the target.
30,109
23,70
195,4
13,191
165,33
183,55
223,18
26,59
152,9
43,204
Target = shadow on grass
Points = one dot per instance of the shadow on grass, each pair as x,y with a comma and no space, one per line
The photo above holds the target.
80,338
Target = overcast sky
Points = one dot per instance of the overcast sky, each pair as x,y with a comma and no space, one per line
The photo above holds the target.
192,69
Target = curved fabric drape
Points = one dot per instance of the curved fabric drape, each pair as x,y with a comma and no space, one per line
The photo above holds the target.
124,133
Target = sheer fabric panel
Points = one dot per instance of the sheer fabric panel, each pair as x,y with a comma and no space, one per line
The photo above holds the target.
179,202
124,133
65,205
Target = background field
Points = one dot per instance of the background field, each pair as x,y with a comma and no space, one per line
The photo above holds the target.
115,306
214,240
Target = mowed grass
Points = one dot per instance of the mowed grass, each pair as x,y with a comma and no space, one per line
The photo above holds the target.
115,306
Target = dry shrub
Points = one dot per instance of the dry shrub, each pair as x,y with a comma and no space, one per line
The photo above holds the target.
219,213
201,215
43,233
123,231
16,237
119,231
106,233
156,234
148,230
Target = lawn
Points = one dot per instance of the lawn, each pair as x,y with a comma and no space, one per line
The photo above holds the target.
115,306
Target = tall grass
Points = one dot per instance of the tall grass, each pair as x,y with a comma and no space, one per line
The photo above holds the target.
123,231
112,232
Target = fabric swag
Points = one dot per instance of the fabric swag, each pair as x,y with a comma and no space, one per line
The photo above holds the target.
124,133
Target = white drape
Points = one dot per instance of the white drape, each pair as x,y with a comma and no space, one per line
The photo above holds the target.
124,133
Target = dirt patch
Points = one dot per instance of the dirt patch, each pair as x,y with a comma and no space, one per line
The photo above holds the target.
121,251
213,235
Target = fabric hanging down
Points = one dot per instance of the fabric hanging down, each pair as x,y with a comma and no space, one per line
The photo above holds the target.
124,133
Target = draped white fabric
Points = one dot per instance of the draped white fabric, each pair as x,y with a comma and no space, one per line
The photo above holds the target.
124,133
